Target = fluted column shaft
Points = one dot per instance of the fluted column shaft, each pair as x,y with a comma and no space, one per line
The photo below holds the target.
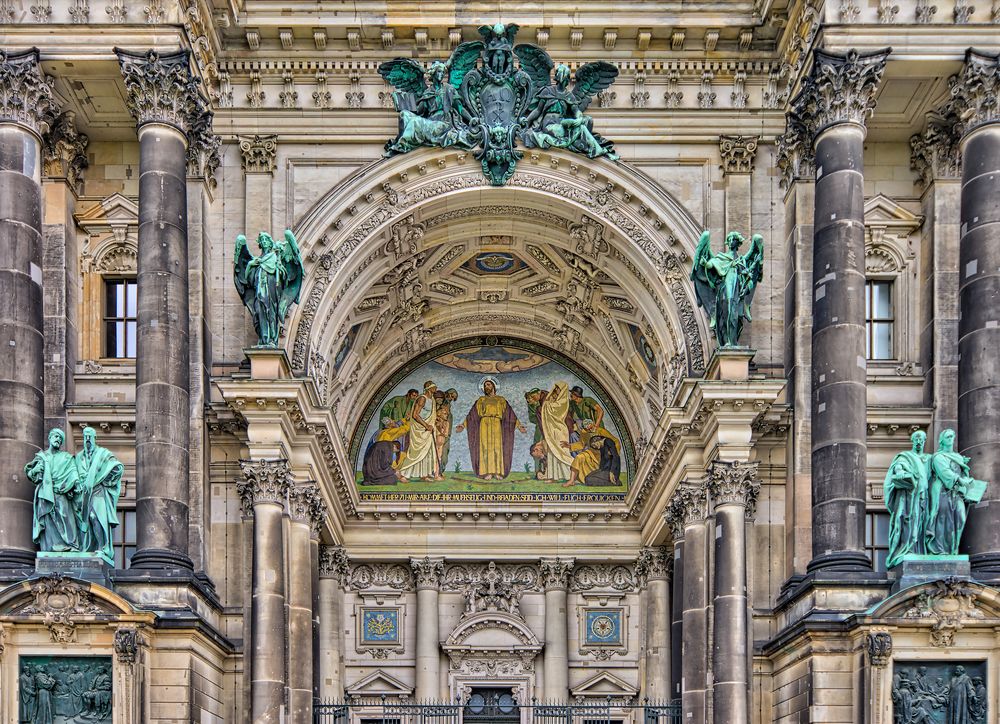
27,107
265,489
333,569
834,103
979,304
654,564
692,502
427,572
164,100
732,487
555,661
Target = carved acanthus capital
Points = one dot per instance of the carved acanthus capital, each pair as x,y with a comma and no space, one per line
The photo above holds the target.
203,149
975,90
26,96
653,564
879,647
259,153
160,88
936,153
334,563
427,571
738,153
689,506
555,572
64,150
796,158
735,483
840,89
306,505
265,481
128,643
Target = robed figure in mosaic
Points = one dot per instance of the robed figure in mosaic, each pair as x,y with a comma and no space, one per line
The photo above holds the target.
268,284
101,485
725,283
490,424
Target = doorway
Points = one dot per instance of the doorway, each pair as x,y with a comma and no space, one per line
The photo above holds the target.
490,705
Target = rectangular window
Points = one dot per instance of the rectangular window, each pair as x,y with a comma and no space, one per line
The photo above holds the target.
124,538
877,539
119,318
879,319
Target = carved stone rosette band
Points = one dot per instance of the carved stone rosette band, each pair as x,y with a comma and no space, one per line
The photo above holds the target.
26,96
334,562
738,153
734,483
266,481
555,572
427,572
258,153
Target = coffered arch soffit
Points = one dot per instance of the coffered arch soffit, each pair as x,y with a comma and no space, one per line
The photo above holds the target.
412,252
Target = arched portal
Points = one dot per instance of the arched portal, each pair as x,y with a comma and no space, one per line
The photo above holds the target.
587,257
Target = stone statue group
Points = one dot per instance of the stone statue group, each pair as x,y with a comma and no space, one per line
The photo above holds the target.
928,498
76,497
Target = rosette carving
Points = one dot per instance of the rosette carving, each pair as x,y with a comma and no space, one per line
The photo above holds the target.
25,93
266,481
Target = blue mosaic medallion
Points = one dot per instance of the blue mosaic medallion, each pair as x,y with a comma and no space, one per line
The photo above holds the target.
380,625
604,627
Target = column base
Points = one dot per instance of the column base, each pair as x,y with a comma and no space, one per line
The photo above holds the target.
16,558
730,363
160,558
841,562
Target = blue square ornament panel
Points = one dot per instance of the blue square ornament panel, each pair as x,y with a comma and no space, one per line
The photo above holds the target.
380,625
604,627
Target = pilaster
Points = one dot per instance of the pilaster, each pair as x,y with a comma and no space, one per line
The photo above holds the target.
738,154
652,570
555,656
427,574
690,508
333,570
259,154
305,503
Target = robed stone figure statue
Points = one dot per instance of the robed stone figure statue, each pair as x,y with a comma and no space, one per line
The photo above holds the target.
952,488
725,283
55,526
268,284
101,480
905,491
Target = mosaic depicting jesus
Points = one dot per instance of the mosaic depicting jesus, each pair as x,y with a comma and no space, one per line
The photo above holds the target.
490,424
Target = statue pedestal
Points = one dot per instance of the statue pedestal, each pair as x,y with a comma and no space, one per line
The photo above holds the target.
268,364
730,363
87,566
915,570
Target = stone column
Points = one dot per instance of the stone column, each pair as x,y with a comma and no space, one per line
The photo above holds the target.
427,573
733,488
975,93
265,488
163,97
653,568
27,106
836,99
690,507
333,570
677,612
305,505
555,663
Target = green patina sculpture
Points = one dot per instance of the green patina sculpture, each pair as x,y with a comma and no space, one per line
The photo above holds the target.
725,283
76,497
928,498
268,284
489,95
64,689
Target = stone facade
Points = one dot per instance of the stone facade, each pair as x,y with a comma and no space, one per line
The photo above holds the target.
737,575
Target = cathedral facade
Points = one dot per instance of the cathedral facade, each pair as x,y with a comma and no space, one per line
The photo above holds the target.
500,361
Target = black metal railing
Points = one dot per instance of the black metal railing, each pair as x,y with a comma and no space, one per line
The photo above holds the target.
391,711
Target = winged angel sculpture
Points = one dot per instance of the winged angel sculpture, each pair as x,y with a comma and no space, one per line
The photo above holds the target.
481,99
268,284
725,283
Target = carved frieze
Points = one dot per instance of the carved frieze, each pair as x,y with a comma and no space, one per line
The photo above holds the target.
160,88
491,587
258,153
380,576
603,577
26,95
738,153
265,481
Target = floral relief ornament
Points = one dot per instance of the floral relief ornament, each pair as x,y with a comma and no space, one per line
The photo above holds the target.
950,604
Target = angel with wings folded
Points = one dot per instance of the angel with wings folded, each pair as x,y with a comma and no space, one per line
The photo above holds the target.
430,112
268,284
725,283
557,118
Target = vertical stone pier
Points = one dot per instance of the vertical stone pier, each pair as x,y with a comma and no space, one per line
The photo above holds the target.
26,109
265,489
676,606
555,656
733,488
835,101
164,99
979,302
333,572
427,574
653,568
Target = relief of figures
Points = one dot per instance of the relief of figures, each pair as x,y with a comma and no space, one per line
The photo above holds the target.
64,690
939,693
528,425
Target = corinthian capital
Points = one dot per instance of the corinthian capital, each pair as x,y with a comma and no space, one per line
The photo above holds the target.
936,153
258,153
160,88
266,481
555,572
796,158
306,505
840,89
333,562
733,483
653,563
65,150
427,571
974,90
25,93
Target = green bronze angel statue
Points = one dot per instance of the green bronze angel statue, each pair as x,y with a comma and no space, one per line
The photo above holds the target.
268,284
725,283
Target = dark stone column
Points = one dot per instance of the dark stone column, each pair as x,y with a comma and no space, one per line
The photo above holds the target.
169,112
733,488
690,505
676,523
26,108
835,101
265,489
975,92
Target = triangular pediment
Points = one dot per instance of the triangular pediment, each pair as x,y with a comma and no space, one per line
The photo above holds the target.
883,211
604,684
117,210
378,683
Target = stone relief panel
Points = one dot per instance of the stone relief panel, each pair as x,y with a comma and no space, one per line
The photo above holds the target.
939,692
64,689
491,587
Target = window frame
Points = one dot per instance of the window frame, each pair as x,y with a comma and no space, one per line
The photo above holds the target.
892,281
871,546
107,318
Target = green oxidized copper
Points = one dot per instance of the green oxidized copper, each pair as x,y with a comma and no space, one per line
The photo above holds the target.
64,689
268,284
725,283
489,95
928,498
76,497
